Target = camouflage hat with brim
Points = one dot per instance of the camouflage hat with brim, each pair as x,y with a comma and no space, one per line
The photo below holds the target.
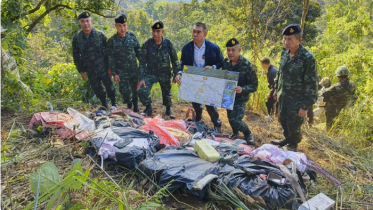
324,81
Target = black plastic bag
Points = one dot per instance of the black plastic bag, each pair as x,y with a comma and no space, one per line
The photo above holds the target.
247,177
181,165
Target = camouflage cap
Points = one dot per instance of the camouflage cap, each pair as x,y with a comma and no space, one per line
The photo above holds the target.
342,71
84,14
324,81
291,30
232,42
157,24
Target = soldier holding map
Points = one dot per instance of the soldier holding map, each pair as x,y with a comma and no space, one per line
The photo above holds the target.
202,53
247,83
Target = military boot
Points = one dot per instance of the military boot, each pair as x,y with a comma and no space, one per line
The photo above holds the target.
233,136
169,113
292,147
217,129
148,110
104,105
280,143
135,104
249,138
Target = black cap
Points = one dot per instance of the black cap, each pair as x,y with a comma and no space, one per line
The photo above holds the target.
84,14
232,42
120,18
157,24
291,30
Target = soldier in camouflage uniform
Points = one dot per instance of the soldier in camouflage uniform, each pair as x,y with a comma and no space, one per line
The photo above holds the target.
296,86
247,83
156,55
337,96
89,53
122,49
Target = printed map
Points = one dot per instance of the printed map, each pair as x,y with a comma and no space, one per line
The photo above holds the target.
210,87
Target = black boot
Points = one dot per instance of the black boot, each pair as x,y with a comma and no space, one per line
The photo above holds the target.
104,105
135,105
217,129
169,113
249,139
148,110
129,105
280,143
233,136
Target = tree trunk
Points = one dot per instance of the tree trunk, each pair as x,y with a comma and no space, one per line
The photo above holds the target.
306,3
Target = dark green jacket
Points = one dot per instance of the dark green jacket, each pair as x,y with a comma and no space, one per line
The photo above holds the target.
122,53
296,80
90,53
247,79
156,59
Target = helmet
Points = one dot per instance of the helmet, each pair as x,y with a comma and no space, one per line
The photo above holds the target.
2,29
324,81
342,71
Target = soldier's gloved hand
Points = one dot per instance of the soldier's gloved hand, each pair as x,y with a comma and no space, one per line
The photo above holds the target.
141,83
84,75
110,72
238,89
177,79
116,78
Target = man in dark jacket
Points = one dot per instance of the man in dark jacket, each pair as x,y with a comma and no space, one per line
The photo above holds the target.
202,53
271,75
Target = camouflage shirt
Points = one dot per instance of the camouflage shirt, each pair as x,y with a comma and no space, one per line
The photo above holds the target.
122,53
90,53
338,95
156,59
296,79
247,79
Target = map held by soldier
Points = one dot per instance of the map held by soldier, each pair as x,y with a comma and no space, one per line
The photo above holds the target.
210,87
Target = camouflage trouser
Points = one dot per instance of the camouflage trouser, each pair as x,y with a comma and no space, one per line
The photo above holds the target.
235,117
164,82
127,87
330,114
95,82
291,123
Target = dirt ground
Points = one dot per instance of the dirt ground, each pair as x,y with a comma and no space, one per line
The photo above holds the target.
313,145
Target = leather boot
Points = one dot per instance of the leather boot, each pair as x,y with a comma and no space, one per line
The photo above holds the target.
148,110
169,113
280,143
